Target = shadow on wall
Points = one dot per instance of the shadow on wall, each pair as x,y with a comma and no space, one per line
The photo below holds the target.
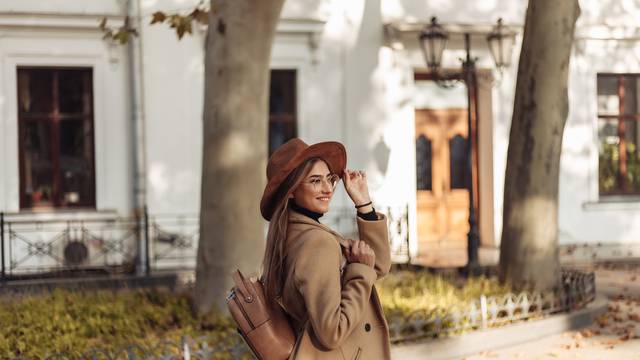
611,12
381,153
368,94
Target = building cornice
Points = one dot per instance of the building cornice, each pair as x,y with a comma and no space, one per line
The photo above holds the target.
52,20
300,26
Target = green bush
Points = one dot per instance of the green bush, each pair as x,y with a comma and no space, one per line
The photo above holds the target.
68,322
73,322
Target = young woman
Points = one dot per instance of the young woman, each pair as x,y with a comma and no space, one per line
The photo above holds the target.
324,281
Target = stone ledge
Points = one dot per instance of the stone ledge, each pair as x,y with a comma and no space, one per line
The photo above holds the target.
90,283
472,343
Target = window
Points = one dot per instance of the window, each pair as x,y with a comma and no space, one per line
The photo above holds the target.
619,134
423,163
282,108
458,165
55,125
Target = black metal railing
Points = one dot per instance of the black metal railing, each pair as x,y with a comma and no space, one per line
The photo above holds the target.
111,244
63,246
173,241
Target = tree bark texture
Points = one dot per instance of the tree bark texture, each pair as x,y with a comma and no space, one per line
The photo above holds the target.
528,250
237,57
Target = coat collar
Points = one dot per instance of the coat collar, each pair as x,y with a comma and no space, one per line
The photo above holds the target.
297,218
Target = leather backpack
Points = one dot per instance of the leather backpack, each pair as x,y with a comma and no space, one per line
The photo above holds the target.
264,328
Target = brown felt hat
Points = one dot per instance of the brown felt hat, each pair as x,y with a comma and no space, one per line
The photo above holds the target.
289,156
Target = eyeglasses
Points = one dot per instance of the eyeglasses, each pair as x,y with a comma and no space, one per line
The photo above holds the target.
316,181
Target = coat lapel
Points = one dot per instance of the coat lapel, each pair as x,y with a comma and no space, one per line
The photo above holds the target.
297,218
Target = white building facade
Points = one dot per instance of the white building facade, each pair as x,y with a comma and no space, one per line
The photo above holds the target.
91,130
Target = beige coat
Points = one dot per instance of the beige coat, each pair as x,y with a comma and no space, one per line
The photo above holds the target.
336,300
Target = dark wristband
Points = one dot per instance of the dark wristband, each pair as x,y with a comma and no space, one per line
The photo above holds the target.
370,216
363,205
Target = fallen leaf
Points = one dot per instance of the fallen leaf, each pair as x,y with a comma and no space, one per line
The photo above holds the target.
586,333
610,344
602,321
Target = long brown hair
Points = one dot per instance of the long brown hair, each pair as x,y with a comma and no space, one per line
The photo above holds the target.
274,254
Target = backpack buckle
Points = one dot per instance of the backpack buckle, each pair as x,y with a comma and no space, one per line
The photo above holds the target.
231,295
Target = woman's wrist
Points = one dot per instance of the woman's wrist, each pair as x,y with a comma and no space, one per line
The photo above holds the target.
362,204
365,209
360,201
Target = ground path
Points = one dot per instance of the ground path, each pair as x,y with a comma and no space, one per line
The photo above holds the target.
615,335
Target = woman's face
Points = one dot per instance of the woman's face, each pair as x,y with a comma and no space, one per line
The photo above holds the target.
315,191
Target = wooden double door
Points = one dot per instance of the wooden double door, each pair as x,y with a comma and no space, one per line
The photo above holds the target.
442,195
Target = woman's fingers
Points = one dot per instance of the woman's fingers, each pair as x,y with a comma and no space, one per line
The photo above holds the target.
354,174
363,246
348,177
360,247
360,252
355,246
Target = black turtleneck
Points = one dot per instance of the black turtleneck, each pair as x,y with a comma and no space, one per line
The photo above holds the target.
306,212
370,216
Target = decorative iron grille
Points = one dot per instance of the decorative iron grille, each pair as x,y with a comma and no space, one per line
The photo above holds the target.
48,246
578,289
153,242
173,241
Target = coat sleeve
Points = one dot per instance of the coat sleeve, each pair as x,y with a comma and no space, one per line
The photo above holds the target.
376,234
334,308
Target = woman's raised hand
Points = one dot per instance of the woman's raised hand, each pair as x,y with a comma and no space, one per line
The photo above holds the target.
360,252
355,183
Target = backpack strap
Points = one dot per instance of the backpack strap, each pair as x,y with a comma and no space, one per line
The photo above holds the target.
241,287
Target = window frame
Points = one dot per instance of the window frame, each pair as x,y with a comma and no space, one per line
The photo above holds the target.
288,119
54,118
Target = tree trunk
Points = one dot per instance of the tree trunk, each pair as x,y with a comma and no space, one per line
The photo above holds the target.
237,56
528,251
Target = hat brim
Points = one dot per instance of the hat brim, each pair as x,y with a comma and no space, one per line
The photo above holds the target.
332,152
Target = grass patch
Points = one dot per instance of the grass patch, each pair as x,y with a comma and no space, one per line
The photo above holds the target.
73,323
419,293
